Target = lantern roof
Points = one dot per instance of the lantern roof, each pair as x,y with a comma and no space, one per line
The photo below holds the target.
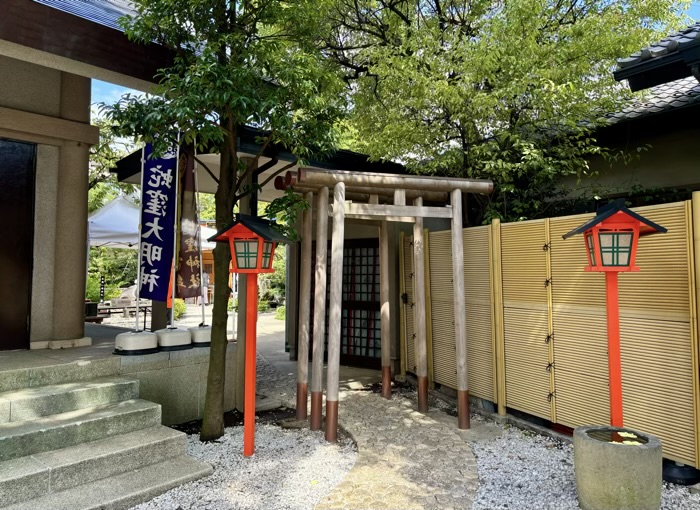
618,206
258,226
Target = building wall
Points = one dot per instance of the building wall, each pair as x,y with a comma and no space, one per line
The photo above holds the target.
52,109
662,150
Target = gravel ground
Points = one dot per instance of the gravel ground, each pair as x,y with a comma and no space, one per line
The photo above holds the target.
525,471
291,469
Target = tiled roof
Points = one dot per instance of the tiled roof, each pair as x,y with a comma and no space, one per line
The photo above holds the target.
673,43
668,96
104,12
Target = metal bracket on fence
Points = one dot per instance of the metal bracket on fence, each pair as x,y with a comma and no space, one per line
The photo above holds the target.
550,366
549,338
546,246
547,282
551,396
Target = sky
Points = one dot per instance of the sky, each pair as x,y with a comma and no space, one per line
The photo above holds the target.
108,93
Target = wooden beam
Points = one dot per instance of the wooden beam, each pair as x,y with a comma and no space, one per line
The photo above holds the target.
304,310
403,213
421,347
459,311
335,316
319,338
316,176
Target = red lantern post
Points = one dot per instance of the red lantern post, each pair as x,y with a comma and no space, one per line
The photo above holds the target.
611,245
253,242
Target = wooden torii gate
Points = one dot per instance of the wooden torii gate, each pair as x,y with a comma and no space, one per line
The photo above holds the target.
369,187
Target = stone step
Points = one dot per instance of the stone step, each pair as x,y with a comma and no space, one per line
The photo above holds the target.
22,438
44,371
43,473
124,490
29,403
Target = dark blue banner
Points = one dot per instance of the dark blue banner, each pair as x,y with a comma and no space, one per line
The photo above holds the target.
157,222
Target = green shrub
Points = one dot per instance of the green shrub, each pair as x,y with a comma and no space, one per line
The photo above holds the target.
280,313
263,306
180,308
232,305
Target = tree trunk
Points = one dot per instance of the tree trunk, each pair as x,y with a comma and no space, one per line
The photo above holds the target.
213,418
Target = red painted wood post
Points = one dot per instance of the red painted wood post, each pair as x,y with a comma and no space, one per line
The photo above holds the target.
614,358
251,317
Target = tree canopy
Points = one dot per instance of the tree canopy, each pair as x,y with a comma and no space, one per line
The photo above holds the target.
506,90
250,63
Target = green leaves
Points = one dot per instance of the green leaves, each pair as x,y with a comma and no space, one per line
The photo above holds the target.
509,91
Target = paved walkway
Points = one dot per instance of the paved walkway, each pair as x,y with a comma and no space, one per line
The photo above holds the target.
406,460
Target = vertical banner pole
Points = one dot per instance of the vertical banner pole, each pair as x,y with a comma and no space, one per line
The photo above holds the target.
250,364
199,248
614,358
175,225
138,266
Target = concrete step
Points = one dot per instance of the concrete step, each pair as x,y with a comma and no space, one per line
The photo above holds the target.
43,473
22,438
29,403
42,371
124,490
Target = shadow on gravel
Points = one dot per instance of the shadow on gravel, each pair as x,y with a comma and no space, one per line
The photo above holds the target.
235,419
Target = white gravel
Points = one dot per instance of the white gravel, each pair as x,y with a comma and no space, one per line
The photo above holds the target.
526,471
291,469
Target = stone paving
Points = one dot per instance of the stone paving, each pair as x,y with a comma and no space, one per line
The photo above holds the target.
406,460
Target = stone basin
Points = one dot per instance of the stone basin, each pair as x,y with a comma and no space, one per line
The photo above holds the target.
617,468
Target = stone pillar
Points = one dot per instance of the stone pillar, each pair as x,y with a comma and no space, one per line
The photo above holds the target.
71,219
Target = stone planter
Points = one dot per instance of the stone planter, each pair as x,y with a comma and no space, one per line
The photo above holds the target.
617,468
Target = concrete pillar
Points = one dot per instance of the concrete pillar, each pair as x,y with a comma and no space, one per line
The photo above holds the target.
71,217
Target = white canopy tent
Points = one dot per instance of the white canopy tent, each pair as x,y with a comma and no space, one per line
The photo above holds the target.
116,225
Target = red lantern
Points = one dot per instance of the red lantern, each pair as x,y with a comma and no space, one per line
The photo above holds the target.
253,242
611,246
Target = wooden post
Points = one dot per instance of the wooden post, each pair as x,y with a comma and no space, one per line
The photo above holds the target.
319,310
251,315
304,310
334,316
459,311
421,348
498,333
384,278
614,359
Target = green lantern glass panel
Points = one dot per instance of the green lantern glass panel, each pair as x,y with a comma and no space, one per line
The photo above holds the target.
246,253
267,254
615,248
591,249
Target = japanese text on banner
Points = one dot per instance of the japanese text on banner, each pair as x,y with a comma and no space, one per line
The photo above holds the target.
157,223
